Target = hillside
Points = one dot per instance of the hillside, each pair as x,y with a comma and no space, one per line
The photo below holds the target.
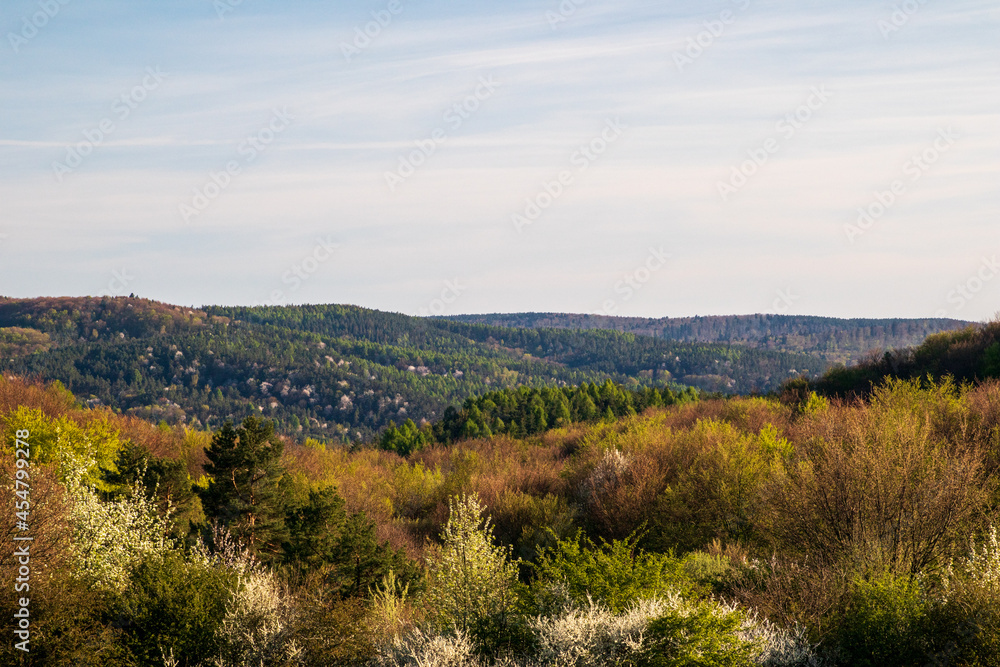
339,373
969,356
831,339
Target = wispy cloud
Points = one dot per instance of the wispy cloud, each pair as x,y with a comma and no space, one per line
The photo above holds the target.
325,174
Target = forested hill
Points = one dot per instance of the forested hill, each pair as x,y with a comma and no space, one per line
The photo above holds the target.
833,340
336,372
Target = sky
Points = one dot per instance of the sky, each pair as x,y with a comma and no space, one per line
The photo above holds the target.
622,157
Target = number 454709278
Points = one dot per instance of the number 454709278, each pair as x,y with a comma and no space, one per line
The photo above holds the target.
22,452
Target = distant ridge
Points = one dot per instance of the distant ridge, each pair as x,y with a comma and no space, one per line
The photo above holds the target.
834,340
335,372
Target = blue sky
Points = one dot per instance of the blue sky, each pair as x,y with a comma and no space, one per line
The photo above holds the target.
714,155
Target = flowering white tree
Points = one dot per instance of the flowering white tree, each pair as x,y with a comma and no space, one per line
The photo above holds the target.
111,537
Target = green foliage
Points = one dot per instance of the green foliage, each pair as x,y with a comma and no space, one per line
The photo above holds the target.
165,479
834,340
968,356
342,549
991,360
405,439
314,529
706,636
69,625
361,560
614,574
245,469
885,623
717,493
175,605
527,411
470,581
93,445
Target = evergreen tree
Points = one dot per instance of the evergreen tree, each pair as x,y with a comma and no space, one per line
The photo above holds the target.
314,529
584,408
559,412
243,492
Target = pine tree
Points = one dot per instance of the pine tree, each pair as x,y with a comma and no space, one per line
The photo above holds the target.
243,491
584,408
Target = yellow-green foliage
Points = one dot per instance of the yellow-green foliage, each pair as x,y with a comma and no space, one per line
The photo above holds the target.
94,444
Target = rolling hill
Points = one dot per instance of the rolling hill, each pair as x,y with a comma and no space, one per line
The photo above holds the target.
338,373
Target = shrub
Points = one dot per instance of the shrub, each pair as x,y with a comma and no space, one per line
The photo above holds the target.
615,574
878,488
885,623
717,492
110,538
258,627
592,635
419,649
175,606
705,635
332,631
530,523
472,585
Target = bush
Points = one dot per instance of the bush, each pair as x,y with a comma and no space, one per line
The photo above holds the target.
110,538
615,574
174,605
879,488
703,636
258,627
885,623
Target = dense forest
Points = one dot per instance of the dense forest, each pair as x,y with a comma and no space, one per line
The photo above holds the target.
338,373
834,340
527,411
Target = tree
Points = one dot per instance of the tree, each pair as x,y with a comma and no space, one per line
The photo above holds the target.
243,491
342,548
165,479
470,580
314,529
